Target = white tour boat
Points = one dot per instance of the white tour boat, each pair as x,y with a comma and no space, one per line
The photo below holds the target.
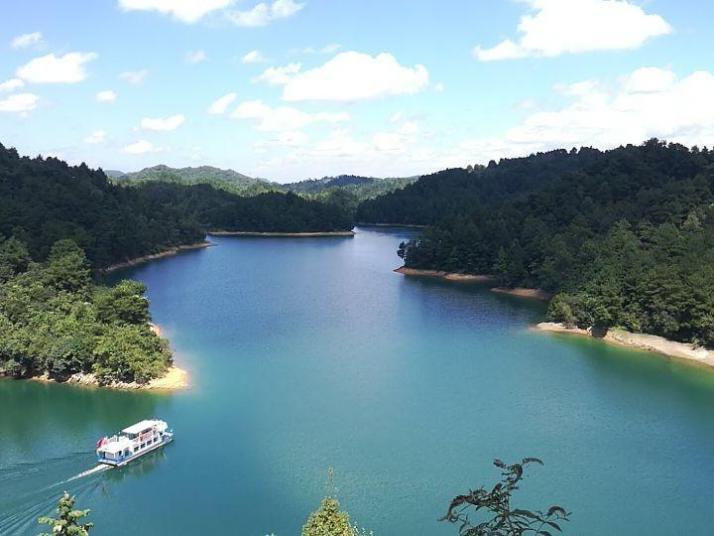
133,442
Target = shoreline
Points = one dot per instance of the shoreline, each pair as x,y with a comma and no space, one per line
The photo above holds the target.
270,234
448,276
522,292
174,379
405,225
681,351
170,252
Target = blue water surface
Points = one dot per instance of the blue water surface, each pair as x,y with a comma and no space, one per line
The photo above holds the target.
306,354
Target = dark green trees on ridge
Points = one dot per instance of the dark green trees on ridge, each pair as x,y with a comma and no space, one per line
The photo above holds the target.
46,200
626,236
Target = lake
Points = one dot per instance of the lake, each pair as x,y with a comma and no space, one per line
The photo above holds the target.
306,354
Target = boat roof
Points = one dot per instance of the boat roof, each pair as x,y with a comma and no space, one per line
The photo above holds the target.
117,446
140,426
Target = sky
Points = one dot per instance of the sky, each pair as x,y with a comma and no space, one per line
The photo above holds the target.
296,89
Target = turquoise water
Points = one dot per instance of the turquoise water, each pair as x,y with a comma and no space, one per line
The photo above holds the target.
310,353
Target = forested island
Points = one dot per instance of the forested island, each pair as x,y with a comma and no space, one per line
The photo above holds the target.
622,237
56,323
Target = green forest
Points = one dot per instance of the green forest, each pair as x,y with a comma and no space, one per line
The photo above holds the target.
622,237
344,191
46,200
60,225
55,321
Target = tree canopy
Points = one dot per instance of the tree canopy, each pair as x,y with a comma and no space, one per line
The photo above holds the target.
625,237
46,200
67,522
55,320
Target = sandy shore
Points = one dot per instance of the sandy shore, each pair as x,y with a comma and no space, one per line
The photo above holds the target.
641,341
449,276
532,293
282,235
167,253
175,378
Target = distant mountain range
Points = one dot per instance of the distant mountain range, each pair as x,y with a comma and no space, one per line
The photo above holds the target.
227,179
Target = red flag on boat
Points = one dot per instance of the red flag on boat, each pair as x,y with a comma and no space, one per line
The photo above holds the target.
101,442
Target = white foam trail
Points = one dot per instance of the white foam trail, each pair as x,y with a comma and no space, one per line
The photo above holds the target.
98,469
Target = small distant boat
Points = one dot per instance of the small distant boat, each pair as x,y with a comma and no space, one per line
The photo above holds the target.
133,442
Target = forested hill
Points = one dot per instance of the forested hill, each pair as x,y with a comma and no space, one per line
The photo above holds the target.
625,236
45,200
225,179
458,190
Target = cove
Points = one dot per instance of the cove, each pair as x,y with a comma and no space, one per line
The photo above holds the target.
309,353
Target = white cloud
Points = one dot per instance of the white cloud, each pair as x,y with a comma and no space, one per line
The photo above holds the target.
263,13
26,40
220,105
188,11
98,136
330,48
282,118
254,56
556,27
196,56
11,85
19,102
142,147
163,123
283,139
393,152
278,76
649,102
51,69
106,96
134,77
353,76
649,80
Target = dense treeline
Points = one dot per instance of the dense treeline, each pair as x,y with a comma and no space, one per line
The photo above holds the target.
624,237
55,321
45,200
345,191
267,212
221,179
459,190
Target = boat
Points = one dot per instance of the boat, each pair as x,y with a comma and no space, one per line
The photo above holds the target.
133,442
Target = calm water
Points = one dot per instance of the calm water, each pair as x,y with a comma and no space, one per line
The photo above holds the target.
312,353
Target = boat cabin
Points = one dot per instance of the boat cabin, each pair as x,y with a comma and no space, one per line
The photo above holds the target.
133,441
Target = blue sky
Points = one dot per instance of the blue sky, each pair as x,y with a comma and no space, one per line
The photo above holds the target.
290,89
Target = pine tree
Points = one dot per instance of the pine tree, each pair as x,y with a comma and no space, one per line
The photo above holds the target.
67,522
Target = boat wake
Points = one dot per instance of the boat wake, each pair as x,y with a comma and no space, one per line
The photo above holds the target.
98,469
25,494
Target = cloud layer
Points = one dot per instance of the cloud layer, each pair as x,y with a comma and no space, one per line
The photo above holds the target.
188,11
348,77
50,69
26,40
264,13
558,27
163,123
19,102
282,118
